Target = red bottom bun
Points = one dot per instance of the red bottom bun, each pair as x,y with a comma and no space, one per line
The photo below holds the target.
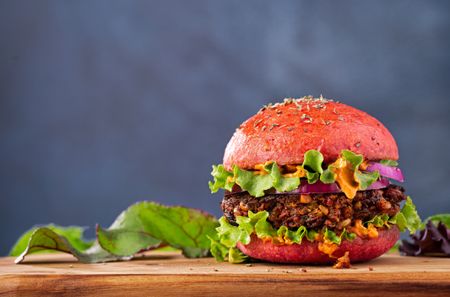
360,249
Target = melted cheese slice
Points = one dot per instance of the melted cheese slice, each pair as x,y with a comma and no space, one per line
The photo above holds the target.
345,177
371,231
259,169
328,247
299,172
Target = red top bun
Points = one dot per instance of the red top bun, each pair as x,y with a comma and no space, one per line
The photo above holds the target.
283,132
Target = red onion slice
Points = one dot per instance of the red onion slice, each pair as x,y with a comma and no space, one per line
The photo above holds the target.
379,184
320,187
386,171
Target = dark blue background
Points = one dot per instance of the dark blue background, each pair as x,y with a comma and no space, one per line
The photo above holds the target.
104,103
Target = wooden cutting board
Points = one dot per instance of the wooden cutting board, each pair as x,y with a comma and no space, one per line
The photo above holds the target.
170,274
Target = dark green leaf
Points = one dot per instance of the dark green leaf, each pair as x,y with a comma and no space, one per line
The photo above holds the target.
73,234
144,225
148,224
45,239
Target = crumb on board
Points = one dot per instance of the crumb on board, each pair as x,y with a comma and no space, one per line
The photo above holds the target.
342,262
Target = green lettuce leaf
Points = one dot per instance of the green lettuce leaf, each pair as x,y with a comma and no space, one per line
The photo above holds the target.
223,253
236,256
292,236
223,246
327,177
331,236
391,163
256,223
313,161
407,218
379,221
230,235
143,226
312,164
354,159
311,235
256,183
366,179
279,182
221,179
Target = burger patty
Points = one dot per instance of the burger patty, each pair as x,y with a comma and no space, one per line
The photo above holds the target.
333,210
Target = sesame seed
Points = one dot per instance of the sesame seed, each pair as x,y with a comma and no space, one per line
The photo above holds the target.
319,103
358,144
319,106
341,118
306,118
273,125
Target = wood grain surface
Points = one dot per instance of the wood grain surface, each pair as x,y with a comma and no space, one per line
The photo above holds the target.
170,274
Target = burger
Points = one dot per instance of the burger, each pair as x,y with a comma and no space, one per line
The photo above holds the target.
310,181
